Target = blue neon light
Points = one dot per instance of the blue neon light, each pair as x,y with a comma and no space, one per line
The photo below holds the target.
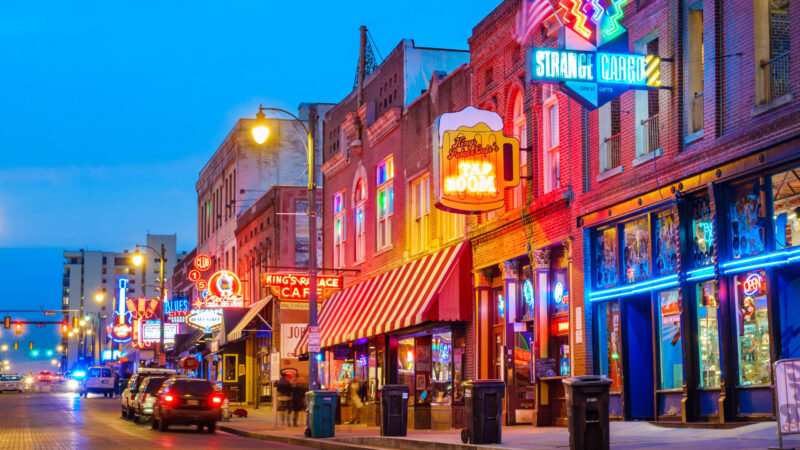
780,256
623,290
527,293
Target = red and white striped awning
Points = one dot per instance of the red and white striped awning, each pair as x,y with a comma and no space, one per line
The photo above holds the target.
405,296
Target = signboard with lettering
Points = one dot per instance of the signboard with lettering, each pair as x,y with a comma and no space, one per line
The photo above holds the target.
205,319
787,394
151,332
177,309
290,337
224,291
593,65
474,162
295,286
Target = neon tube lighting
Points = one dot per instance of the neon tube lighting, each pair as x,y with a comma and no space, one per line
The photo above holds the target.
636,291
753,266
636,285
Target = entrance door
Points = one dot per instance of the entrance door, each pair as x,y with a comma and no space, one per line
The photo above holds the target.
639,376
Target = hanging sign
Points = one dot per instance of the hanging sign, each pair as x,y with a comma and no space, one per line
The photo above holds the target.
474,162
202,262
594,65
205,319
224,291
295,286
177,309
151,332
121,330
560,326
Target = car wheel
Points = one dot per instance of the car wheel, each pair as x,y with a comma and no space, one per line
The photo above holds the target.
137,418
124,413
199,427
212,427
162,425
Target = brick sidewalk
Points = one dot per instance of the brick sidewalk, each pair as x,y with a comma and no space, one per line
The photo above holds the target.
624,435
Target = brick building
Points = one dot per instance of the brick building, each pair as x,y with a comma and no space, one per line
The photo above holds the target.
403,316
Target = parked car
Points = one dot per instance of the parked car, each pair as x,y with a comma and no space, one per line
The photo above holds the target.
11,383
129,394
99,380
186,401
146,397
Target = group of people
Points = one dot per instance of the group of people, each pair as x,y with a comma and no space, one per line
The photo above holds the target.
291,399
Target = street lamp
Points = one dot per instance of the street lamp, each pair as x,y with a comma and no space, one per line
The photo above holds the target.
4,347
99,297
260,135
138,259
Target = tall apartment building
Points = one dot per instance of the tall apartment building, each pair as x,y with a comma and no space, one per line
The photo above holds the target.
89,273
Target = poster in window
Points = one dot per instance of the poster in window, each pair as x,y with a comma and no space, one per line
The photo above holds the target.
667,241
671,349
636,254
747,220
703,236
606,258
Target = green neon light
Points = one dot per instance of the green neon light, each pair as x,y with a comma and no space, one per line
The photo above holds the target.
613,19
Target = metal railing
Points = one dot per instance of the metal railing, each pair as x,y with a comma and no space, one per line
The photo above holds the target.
697,113
650,135
777,76
613,156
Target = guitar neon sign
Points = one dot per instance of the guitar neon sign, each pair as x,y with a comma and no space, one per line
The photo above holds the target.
121,330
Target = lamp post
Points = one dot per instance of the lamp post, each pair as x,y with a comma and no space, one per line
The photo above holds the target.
260,135
138,259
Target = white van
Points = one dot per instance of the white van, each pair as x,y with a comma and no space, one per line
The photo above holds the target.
99,380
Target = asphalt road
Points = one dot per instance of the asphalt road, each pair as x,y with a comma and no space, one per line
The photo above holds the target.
63,420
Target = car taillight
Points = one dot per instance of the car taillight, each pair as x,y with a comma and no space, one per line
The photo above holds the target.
168,398
216,399
144,397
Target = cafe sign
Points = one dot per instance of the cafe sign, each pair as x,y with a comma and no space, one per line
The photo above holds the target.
295,286
474,162
592,64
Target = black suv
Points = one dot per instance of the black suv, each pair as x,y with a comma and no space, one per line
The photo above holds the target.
186,401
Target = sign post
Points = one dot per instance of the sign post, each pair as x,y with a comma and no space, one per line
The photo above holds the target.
274,375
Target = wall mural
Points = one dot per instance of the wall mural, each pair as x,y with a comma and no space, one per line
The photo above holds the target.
606,258
637,250
703,236
746,217
667,241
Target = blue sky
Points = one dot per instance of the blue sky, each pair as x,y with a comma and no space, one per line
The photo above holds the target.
108,110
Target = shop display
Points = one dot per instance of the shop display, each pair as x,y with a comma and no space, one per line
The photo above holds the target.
703,237
606,258
708,334
442,374
611,363
786,209
670,347
752,320
667,241
636,254
747,219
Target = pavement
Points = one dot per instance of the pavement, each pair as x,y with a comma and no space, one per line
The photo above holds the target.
624,435
59,420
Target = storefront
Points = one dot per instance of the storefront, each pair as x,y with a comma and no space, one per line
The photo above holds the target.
693,299
406,326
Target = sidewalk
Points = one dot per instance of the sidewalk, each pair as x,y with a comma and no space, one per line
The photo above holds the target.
624,435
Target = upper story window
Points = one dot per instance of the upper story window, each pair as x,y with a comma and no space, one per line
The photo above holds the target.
772,44
648,110
550,175
696,58
520,131
358,213
339,230
420,213
489,76
452,225
385,202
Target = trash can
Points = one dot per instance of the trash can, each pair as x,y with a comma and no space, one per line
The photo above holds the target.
394,409
321,413
483,411
587,411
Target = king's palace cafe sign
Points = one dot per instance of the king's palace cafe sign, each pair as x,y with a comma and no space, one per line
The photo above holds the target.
592,64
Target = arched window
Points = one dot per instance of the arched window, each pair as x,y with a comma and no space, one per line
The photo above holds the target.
339,230
520,131
359,200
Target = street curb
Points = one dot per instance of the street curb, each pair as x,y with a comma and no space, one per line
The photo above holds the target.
323,443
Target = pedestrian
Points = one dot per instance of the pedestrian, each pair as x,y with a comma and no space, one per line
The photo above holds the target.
355,400
116,383
284,398
298,399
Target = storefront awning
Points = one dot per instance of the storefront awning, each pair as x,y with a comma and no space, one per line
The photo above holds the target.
236,333
432,288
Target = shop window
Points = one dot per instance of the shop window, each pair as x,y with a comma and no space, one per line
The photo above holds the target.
747,220
610,342
752,326
405,363
420,213
528,304
551,140
559,320
230,367
361,238
452,225
786,207
499,306
339,230
703,237
523,342
442,374
606,258
667,241
670,347
636,255
385,202
708,334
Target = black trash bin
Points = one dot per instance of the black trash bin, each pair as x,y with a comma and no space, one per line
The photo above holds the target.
587,411
394,409
483,411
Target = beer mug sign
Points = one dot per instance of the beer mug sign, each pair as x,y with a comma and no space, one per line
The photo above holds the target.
474,162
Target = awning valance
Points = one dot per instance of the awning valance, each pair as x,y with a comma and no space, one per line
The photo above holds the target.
432,288
255,308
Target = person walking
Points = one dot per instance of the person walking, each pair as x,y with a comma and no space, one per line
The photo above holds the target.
284,397
298,399
355,400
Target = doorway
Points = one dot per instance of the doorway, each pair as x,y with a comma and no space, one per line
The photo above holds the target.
638,340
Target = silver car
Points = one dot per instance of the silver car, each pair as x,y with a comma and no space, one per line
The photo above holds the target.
146,397
11,383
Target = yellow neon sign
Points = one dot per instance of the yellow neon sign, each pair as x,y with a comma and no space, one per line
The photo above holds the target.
472,177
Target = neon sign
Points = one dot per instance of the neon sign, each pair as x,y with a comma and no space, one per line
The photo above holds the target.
560,295
224,291
151,332
177,309
752,284
474,162
527,293
205,319
295,286
560,326
594,65
121,329
202,262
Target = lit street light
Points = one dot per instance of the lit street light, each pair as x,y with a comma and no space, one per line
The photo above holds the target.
60,348
4,348
99,297
260,135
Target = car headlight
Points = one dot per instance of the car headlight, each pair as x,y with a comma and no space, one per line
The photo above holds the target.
72,384
29,380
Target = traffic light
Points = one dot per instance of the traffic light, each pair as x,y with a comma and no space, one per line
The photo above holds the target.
65,327
7,322
30,345
18,328
16,345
